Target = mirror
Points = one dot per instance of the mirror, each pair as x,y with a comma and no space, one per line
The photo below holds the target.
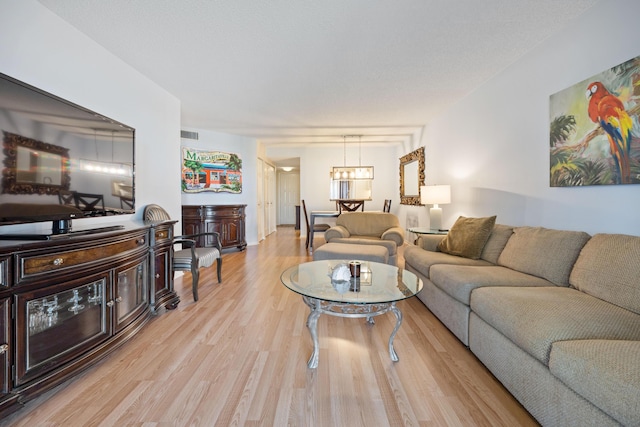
411,177
34,167
350,189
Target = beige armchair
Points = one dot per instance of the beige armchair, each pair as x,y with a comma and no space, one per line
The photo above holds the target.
368,228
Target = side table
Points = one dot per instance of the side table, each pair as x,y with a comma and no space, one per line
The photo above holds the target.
425,230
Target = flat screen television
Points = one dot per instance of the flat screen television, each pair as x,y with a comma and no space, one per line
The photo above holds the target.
60,161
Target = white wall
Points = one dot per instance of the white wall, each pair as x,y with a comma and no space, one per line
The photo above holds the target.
41,49
247,150
493,146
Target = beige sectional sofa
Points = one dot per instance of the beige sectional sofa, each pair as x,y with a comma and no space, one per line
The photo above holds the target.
368,228
554,315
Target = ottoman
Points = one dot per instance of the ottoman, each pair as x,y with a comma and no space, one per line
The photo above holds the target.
347,251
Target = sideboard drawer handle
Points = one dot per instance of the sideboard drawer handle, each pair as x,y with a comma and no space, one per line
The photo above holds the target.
140,241
4,348
58,261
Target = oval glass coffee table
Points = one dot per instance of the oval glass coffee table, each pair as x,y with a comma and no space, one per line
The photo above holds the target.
375,292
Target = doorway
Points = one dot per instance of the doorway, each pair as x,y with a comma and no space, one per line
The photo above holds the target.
288,197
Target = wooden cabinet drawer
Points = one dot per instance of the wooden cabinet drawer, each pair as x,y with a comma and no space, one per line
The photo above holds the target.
234,212
214,211
163,235
31,265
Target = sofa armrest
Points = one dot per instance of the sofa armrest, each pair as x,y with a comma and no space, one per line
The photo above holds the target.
336,232
395,234
429,242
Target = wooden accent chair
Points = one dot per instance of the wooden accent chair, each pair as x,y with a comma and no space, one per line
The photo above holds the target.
190,257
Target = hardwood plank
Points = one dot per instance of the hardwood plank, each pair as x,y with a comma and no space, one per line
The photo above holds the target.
238,357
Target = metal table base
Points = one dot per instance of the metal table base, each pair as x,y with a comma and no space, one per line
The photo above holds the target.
368,311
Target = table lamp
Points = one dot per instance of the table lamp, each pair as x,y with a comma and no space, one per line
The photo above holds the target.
435,195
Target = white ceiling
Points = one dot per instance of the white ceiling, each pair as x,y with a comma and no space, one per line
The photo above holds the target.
300,71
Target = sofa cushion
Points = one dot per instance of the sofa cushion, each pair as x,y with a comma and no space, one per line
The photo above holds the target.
422,260
605,372
534,318
543,252
468,236
608,268
496,242
391,246
458,281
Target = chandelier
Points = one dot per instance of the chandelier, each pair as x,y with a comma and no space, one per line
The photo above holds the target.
348,173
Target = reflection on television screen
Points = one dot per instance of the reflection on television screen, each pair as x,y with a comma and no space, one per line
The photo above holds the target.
60,160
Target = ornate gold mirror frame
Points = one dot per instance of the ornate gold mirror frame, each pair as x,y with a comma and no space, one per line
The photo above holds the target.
409,174
13,180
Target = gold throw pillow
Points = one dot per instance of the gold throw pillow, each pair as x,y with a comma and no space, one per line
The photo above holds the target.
468,236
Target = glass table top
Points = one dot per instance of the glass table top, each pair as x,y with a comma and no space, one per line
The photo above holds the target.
378,283
424,230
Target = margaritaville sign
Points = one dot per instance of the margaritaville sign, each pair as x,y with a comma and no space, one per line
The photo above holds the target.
207,157
213,171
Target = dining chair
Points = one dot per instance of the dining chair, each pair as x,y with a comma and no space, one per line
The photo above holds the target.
126,202
88,202
190,257
351,205
67,197
316,227
387,205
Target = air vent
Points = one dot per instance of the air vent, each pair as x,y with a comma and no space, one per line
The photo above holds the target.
188,135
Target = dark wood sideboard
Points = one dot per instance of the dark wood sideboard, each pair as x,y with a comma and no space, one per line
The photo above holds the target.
66,303
228,220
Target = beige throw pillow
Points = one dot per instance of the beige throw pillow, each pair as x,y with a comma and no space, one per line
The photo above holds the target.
468,236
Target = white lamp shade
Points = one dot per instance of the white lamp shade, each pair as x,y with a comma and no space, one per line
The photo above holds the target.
435,194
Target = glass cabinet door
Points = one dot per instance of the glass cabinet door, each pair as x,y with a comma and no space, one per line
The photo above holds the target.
62,322
132,295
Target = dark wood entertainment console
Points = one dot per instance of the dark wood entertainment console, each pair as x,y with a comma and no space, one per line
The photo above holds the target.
68,302
228,220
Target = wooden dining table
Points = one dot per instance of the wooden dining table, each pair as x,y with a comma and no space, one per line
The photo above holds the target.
319,214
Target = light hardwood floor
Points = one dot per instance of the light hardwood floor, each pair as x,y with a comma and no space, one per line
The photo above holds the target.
238,357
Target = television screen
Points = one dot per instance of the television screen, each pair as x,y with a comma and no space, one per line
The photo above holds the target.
59,160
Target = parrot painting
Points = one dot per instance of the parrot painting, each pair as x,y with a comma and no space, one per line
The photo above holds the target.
608,111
